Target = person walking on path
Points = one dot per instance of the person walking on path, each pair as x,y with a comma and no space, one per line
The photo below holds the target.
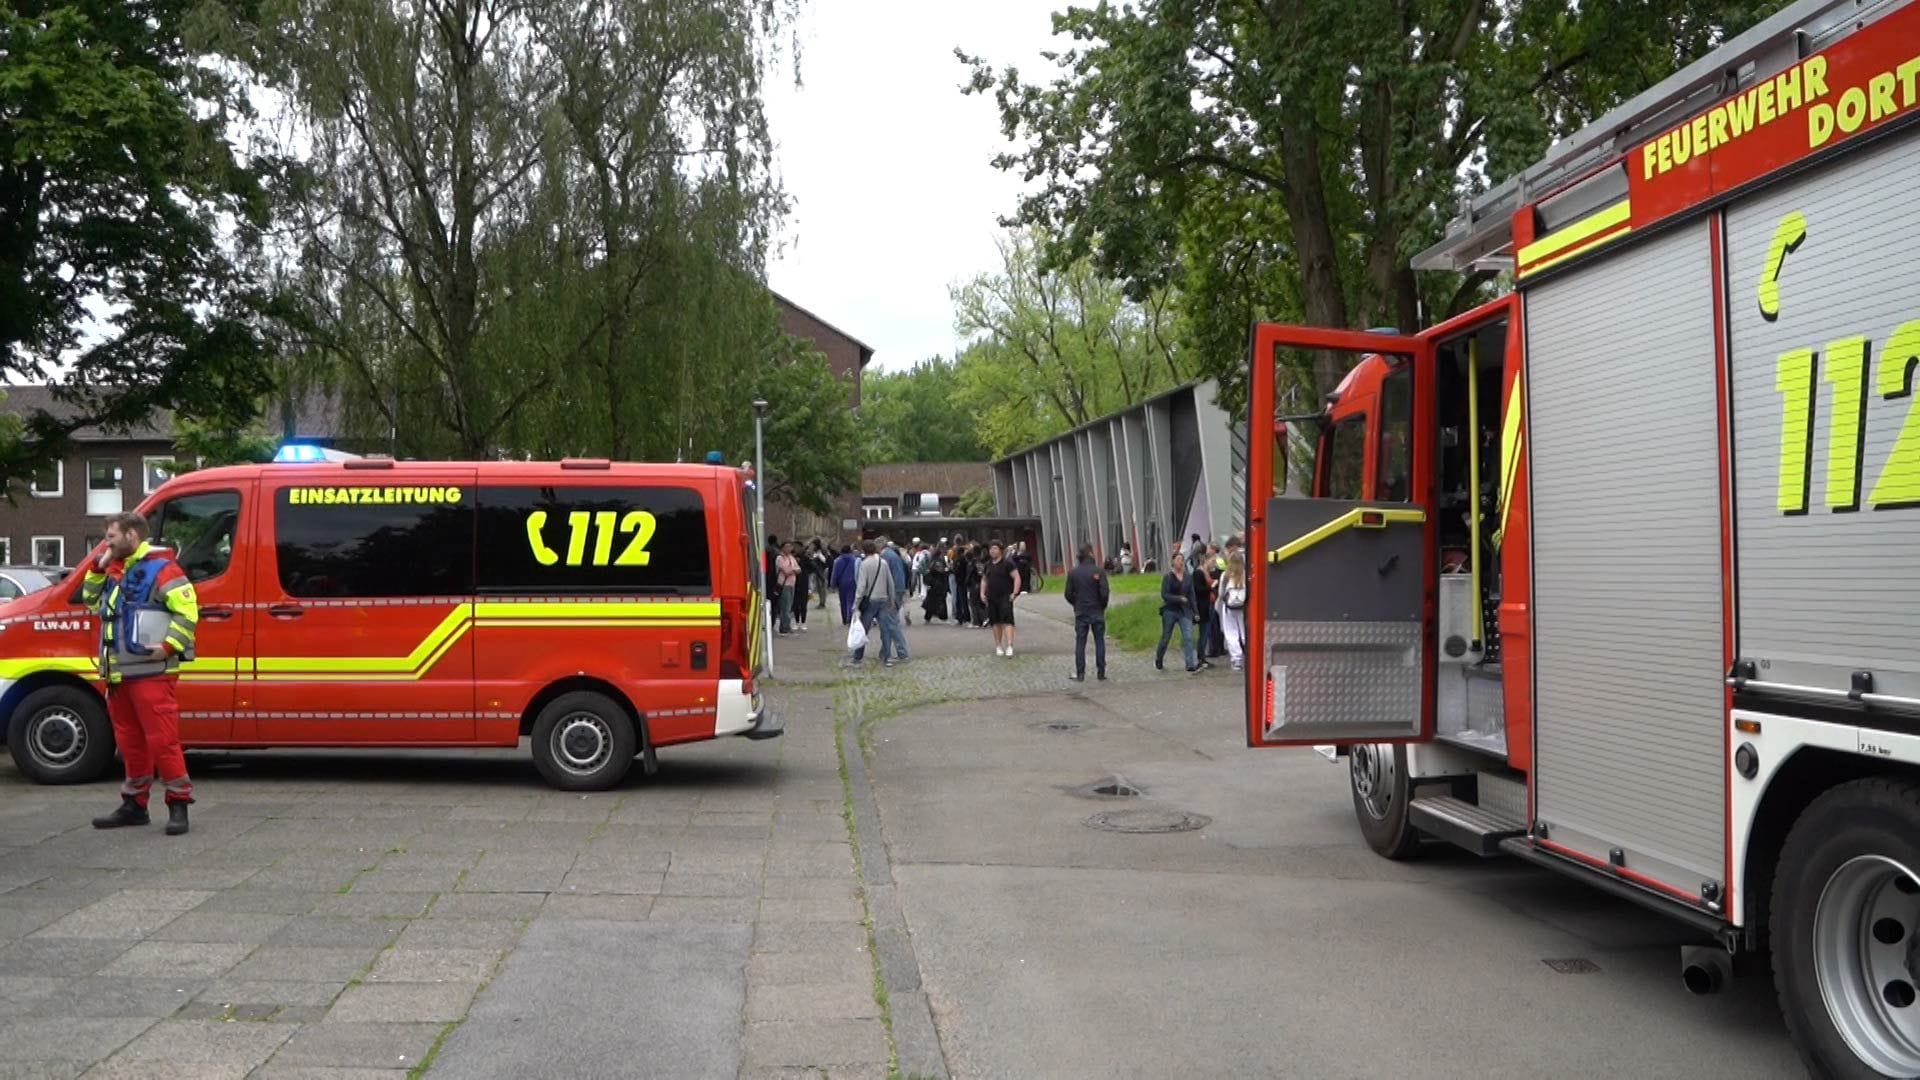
821,559
786,571
875,594
846,567
1200,579
1176,609
897,565
802,586
133,585
998,586
1233,608
964,585
934,607
1087,593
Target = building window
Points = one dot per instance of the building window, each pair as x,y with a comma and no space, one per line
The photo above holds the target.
50,551
6,551
47,483
877,512
156,472
103,487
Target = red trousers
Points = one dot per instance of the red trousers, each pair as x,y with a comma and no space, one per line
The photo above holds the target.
146,724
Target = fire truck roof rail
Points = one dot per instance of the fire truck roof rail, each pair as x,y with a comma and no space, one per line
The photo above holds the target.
1483,228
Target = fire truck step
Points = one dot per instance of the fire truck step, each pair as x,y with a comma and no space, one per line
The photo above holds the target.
1459,822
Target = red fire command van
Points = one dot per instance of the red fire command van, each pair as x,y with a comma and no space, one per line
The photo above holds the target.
1620,574
602,609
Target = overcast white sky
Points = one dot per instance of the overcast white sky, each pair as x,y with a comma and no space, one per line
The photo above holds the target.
889,167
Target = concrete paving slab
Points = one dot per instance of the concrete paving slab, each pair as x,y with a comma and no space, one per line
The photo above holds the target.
434,965
811,1001
201,925
271,1071
66,1039
64,957
775,936
304,963
337,931
122,1069
106,997
502,906
821,1042
691,977
177,959
206,1042
615,906
459,934
403,1002
705,910
129,914
357,1046
240,993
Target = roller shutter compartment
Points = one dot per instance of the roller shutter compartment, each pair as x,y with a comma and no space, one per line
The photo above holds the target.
1827,513
1623,436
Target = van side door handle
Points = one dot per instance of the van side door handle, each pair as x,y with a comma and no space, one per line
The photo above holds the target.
216,612
286,611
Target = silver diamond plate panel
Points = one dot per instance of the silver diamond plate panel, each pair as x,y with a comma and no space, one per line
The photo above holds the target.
1335,680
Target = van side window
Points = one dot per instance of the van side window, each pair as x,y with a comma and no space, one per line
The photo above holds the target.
199,528
539,540
356,549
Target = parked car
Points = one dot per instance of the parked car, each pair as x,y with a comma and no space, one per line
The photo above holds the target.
18,581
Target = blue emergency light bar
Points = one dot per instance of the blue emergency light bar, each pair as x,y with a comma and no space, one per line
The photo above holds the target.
299,452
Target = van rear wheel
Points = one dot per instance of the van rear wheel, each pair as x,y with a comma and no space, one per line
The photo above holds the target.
583,741
60,735
1377,772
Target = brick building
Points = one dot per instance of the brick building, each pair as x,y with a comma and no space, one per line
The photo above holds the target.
848,356
919,489
56,517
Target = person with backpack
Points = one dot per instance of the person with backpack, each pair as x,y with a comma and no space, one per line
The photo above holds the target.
1176,610
148,615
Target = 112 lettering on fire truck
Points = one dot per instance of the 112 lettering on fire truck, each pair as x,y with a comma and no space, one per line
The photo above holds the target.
603,610
1620,573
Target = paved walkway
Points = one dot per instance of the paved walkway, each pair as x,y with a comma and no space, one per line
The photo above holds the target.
343,915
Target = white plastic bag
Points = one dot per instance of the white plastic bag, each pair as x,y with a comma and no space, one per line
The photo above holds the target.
856,635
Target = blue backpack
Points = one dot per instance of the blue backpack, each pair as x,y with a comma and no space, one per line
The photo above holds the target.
135,593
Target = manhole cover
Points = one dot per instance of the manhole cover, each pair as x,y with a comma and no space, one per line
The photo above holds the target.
1113,787
1573,965
1148,821
1062,727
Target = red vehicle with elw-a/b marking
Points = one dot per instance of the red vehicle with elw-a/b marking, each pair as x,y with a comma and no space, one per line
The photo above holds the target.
603,610
1620,573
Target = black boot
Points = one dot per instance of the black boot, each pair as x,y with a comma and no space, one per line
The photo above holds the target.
130,813
176,818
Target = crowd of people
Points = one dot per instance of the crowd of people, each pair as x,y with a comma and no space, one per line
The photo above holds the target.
973,584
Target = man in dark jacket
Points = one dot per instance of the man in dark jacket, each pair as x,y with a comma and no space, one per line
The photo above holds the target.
1087,591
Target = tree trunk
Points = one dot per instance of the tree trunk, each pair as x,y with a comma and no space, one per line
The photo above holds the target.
1324,299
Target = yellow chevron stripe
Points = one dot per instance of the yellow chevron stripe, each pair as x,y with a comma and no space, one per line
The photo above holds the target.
1512,434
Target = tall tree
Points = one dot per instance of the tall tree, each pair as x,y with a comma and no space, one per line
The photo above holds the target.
1053,348
1202,144
124,212
918,415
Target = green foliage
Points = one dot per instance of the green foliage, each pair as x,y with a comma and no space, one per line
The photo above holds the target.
917,415
125,216
1285,161
977,503
1053,348
200,444
539,229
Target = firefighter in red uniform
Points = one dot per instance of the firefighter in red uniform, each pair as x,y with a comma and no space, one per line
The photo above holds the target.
148,613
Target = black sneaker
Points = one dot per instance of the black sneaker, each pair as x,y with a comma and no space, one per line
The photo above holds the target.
1103,676
1195,669
1079,678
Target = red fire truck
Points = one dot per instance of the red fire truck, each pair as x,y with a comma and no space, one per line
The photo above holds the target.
1620,573
601,609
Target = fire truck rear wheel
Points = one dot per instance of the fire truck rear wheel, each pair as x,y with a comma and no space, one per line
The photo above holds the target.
1846,930
583,741
60,735
1377,773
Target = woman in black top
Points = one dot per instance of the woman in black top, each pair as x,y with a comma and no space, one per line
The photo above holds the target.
999,586
1176,609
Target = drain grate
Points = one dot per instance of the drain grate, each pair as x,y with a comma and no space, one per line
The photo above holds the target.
1113,787
1062,727
1148,821
1573,965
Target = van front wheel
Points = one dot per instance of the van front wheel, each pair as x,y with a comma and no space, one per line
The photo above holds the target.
60,735
583,741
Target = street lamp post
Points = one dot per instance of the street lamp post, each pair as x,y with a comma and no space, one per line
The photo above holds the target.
760,512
